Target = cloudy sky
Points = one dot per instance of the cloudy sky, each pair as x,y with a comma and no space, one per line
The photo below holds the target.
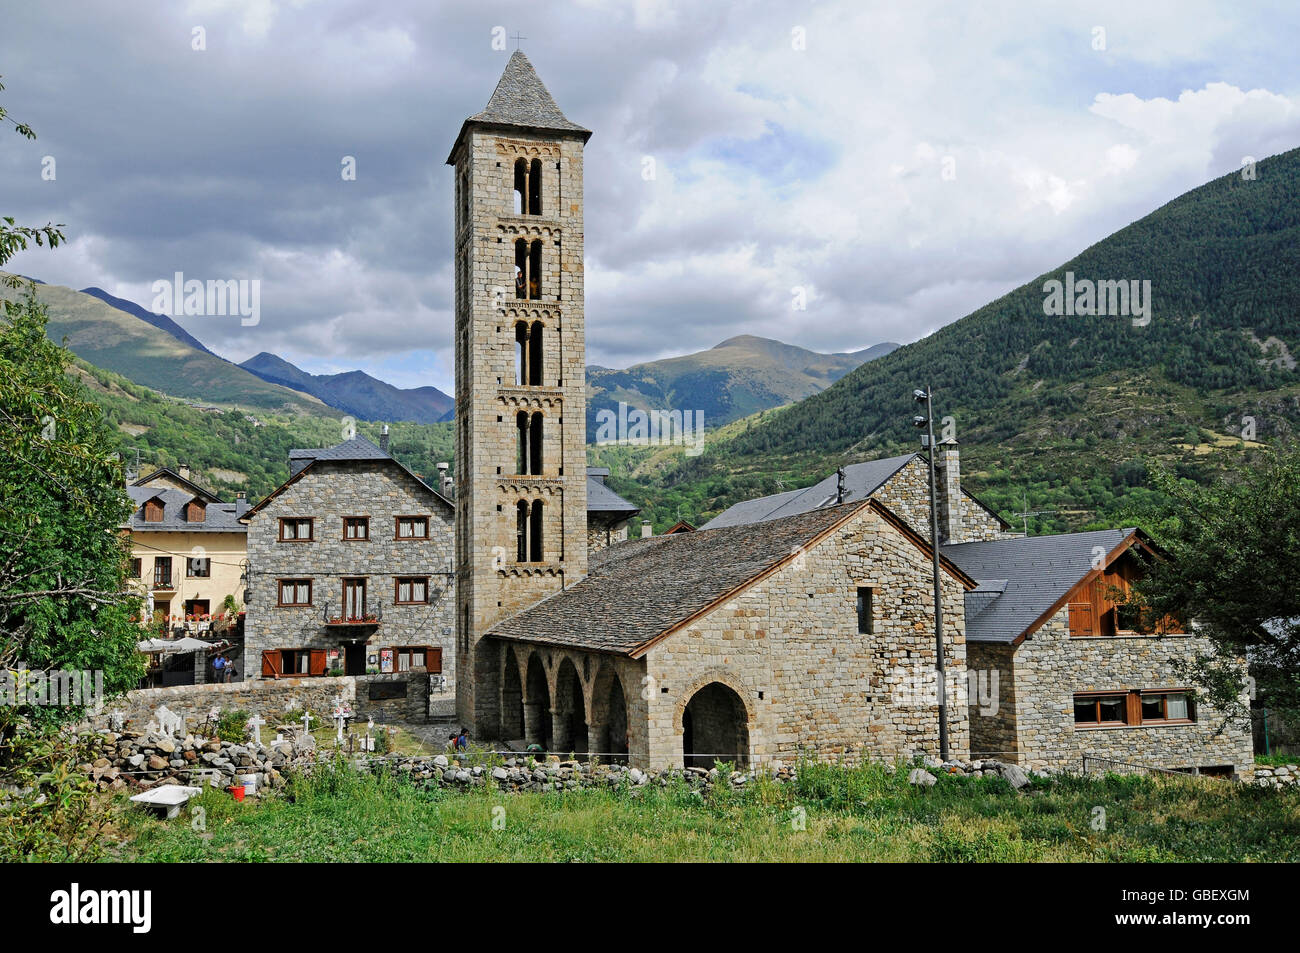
902,163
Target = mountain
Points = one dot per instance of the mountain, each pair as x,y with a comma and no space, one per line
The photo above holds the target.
738,377
116,339
356,392
160,321
1066,412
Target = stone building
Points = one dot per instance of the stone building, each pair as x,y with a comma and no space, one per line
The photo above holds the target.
521,475
188,548
350,569
608,514
902,483
1077,675
810,633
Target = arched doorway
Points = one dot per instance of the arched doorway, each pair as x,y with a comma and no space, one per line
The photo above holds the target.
715,727
537,705
570,712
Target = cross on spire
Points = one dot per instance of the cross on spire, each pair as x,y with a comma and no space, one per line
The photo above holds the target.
517,37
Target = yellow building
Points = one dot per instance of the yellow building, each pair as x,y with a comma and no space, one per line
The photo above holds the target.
189,549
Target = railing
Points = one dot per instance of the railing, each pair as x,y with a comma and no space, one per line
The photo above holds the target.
367,617
162,581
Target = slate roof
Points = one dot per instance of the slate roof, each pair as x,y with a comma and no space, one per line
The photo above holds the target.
521,99
639,589
220,517
860,481
601,499
172,474
1032,573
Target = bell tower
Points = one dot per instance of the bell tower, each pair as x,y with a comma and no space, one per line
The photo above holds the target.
521,484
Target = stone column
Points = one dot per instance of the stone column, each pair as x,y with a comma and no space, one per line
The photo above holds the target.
598,739
533,724
560,729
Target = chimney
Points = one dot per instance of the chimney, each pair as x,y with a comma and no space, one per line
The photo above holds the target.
183,470
444,478
646,529
947,471
383,439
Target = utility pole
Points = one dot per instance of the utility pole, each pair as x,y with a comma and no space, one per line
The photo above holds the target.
927,440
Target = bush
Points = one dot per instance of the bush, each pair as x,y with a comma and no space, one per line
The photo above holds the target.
233,726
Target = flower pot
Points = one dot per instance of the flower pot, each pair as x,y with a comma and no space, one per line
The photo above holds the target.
237,792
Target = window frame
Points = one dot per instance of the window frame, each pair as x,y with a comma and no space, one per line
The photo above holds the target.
1096,697
1132,699
410,581
191,573
364,522
311,529
870,615
295,581
1163,694
414,518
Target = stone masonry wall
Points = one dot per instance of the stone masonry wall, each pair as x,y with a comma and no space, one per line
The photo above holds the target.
789,647
907,494
328,492
1051,666
993,733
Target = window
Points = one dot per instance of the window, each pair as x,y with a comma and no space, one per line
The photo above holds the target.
412,527
277,662
295,592
135,569
866,615
354,599
296,529
198,568
528,187
196,511
162,572
528,444
153,510
528,353
1082,619
528,269
1099,709
356,527
536,553
1150,707
411,590
408,657
529,547
1167,706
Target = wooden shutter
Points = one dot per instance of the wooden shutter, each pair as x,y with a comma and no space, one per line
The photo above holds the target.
271,663
1081,619
317,664
433,659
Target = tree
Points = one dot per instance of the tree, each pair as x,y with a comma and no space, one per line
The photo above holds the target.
1234,571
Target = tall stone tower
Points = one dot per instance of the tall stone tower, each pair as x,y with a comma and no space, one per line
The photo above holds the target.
521,485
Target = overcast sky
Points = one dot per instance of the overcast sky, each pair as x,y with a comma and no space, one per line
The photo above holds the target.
904,163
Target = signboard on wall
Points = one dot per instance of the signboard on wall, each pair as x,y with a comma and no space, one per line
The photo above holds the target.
385,660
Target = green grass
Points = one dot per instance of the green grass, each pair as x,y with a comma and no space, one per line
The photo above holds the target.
848,814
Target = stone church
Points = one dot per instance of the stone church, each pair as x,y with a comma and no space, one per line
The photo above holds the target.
800,623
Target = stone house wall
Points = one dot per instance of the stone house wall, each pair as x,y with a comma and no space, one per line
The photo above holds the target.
328,492
1050,666
602,533
907,494
790,649
993,733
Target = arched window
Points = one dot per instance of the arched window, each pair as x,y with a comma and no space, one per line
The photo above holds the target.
521,269
523,364
535,355
522,433
521,531
535,446
535,187
521,185
535,270
535,549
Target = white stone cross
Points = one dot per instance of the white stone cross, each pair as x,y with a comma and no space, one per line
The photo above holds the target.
339,720
256,723
307,719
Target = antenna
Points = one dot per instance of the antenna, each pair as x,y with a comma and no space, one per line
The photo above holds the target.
1027,512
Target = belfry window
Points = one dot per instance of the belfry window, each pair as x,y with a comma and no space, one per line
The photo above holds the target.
528,444
535,550
528,269
530,546
528,187
528,353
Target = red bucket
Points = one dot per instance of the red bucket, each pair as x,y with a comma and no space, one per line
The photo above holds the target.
237,791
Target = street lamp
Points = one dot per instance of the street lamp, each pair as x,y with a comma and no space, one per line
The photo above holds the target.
926,422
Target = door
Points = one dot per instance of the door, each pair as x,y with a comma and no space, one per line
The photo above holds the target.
354,599
354,658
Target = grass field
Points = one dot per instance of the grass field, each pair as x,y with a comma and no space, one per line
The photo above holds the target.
828,814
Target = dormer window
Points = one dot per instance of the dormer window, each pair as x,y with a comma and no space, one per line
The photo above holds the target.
196,511
153,510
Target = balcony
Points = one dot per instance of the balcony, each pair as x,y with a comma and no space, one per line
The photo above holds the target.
162,583
342,620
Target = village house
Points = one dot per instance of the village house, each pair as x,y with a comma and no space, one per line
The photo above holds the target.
350,569
1079,674
187,549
